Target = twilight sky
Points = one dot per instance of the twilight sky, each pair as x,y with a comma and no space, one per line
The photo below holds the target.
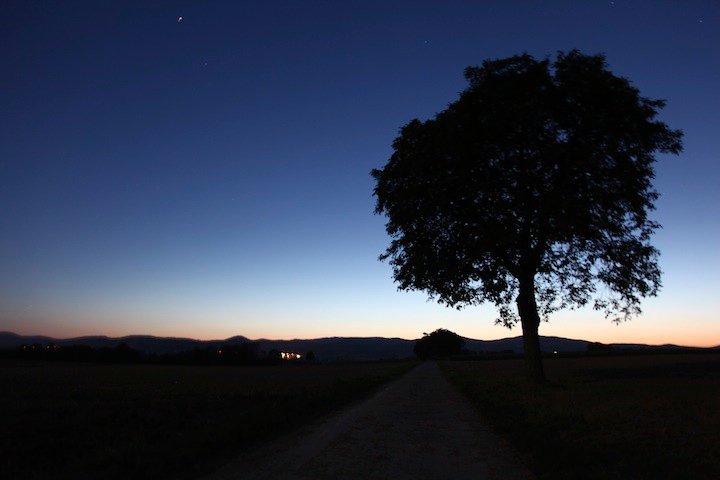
209,176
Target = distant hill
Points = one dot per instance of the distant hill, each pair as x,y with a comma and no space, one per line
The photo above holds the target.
325,349
547,344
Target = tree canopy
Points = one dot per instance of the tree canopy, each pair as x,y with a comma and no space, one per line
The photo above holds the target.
534,188
440,343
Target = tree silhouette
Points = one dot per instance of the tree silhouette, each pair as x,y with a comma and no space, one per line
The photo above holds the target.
533,188
439,343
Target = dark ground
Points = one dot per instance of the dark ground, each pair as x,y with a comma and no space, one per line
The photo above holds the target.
79,421
634,417
622,417
417,427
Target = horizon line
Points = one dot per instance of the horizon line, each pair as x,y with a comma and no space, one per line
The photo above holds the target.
712,345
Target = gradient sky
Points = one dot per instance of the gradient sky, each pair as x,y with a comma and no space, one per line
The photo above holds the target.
210,177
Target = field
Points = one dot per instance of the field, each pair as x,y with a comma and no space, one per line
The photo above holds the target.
139,421
634,417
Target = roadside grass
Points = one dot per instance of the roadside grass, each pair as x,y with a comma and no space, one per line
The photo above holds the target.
641,417
139,421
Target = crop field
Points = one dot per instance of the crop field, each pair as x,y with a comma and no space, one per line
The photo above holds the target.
140,421
632,417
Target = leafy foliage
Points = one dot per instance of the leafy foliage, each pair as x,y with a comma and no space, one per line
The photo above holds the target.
540,173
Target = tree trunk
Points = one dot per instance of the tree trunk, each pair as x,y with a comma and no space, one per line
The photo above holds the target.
527,309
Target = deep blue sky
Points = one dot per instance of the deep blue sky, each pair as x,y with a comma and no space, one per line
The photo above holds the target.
210,176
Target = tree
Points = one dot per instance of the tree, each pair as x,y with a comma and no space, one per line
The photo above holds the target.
533,188
274,356
440,343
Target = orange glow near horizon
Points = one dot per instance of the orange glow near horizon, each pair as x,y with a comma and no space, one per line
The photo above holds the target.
696,331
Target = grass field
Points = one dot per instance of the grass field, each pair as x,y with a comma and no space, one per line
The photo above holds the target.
641,417
137,421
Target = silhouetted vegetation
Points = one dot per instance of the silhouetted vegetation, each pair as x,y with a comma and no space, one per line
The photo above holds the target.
440,343
532,189
274,356
246,353
602,417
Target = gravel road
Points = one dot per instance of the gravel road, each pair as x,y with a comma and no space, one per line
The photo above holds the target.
417,427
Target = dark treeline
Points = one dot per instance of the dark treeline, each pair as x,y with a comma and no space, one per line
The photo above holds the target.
439,344
593,350
232,354
444,344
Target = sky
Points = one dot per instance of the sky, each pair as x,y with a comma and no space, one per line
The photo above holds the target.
201,169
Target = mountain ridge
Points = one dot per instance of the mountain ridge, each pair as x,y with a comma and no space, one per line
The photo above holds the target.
325,348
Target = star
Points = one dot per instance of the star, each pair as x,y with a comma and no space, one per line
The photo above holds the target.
179,19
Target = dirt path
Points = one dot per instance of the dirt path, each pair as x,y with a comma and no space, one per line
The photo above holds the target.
418,427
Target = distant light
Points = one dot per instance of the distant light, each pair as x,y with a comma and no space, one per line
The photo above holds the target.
555,352
180,19
290,356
